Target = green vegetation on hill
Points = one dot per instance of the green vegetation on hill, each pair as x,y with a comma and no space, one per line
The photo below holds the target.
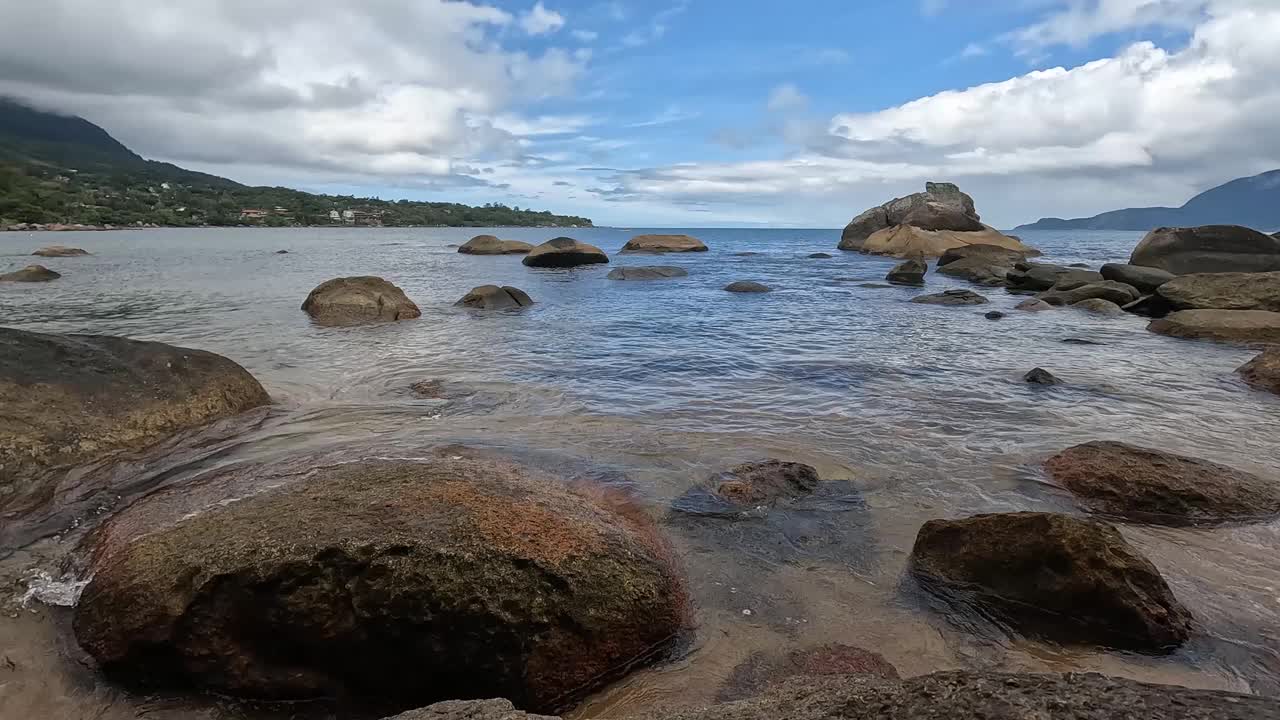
59,169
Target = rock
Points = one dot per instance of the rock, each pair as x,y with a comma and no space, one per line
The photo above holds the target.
663,244
764,483
1054,576
492,297
396,582
1153,306
875,286
1224,291
490,245
983,268
1145,279
928,223
31,273
908,241
359,300
1118,293
656,272
1043,276
863,227
1236,326
429,389
282,252
71,399
746,254
1208,249
1033,305
1040,376
820,256
957,695
1263,371
761,671
908,272
746,286
1161,487
993,254
1081,341
60,251
563,252
994,315
1099,307
952,297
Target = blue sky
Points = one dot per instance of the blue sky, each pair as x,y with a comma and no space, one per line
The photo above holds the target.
678,112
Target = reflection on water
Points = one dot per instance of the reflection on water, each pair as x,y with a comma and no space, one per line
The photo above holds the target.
913,412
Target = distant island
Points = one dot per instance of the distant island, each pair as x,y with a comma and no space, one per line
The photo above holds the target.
1252,201
58,171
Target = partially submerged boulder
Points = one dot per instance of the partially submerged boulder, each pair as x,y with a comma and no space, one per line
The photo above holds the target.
1263,371
1099,306
1145,279
654,272
908,272
747,286
394,582
764,482
758,673
1208,249
1224,291
1040,376
1118,293
663,244
1161,487
908,241
1033,305
359,300
952,297
564,252
60,251
1233,326
31,273
993,254
988,265
1043,276
1054,576
492,297
491,245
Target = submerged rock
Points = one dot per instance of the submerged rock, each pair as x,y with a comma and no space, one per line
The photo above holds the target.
952,297
1054,576
394,582
1237,326
759,672
655,272
908,272
492,297
764,482
994,315
1208,249
1145,279
359,300
1033,305
31,273
1118,293
60,251
71,399
564,252
1224,291
820,256
747,286
1040,376
491,245
1098,306
1043,276
1162,487
1263,371
663,244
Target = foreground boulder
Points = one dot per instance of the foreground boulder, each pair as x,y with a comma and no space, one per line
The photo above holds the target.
71,399
1055,576
663,244
928,224
1161,487
490,245
655,272
1115,292
1145,279
958,695
747,286
60,251
564,252
908,272
492,297
1224,291
1263,371
31,273
359,300
395,582
1208,249
952,297
1233,326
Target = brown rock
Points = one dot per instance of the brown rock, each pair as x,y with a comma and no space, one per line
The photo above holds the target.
992,254
1033,305
762,670
928,223
908,272
564,252
490,245
747,286
663,244
357,301
31,273
492,297
60,251
656,272
1099,306
1235,326
1263,371
764,482
1208,249
952,297
908,241
1146,279
1224,291
1055,576
1118,293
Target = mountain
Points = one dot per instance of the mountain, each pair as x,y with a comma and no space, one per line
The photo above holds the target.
63,169
1252,201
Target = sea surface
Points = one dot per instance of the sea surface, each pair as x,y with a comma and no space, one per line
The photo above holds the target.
916,411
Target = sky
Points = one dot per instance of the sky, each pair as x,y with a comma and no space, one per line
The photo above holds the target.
676,113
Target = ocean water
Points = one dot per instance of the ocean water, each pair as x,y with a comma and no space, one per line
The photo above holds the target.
917,411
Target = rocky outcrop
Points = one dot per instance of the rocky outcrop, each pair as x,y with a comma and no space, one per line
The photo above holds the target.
1161,487
910,241
762,670
60,251
655,272
952,297
490,245
908,272
1099,306
1233,326
1043,276
1145,279
492,297
1263,372
747,286
1208,249
359,300
663,244
564,252
398,582
71,399
1118,293
1054,576
959,695
1224,291
31,273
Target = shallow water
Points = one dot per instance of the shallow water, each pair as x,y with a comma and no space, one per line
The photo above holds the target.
919,410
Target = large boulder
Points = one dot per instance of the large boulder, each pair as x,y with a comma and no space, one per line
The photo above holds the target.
1208,249
655,272
908,272
994,254
396,582
1224,291
490,245
1043,276
492,297
1055,576
977,269
67,400
909,241
31,273
359,300
60,251
564,252
663,244
1232,326
1161,487
952,297
1118,293
1263,371
862,227
1146,279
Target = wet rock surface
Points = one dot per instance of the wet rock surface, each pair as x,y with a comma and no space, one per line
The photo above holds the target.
1145,279
491,245
1224,291
763,670
1044,276
653,272
358,301
1072,293
60,251
1099,306
565,252
1251,327
1208,249
952,297
1263,372
1040,376
747,286
664,244
492,297
908,272
31,273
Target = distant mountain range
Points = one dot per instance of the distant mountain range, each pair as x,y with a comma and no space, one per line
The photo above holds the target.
59,169
1252,202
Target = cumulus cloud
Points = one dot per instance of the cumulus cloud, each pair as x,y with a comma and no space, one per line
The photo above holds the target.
541,21
1083,20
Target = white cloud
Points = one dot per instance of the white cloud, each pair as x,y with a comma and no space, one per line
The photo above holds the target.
1083,20
541,21
657,27
585,36
672,114
785,98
